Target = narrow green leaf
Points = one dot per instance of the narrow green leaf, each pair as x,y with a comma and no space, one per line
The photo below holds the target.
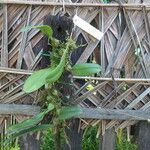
85,69
41,77
30,122
36,80
50,107
57,72
29,130
26,124
34,129
45,29
69,112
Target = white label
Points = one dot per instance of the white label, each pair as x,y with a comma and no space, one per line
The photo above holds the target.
87,27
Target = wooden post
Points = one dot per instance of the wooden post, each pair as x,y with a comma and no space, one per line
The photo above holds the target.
108,140
74,136
142,131
29,142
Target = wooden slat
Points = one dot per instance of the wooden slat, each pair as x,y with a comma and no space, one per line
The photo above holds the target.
101,113
139,98
87,52
15,109
129,5
88,93
4,52
130,80
15,71
24,39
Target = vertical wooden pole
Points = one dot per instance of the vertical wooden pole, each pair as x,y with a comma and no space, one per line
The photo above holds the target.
109,140
143,135
29,142
74,136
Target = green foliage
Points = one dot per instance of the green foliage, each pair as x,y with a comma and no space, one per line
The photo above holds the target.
106,1
15,148
58,63
69,112
86,69
10,146
30,122
30,125
50,77
45,29
36,80
30,130
57,71
48,140
90,142
123,144
41,77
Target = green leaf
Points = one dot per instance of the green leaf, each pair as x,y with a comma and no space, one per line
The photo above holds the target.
69,112
30,122
34,129
85,69
41,77
50,107
57,72
29,130
36,80
45,29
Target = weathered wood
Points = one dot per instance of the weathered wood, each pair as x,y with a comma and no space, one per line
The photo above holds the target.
117,52
139,98
15,71
23,41
116,79
16,109
142,132
29,72
109,140
87,52
88,93
129,5
4,51
74,135
29,142
115,114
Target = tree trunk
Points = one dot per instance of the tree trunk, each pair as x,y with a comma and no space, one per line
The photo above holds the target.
29,142
108,140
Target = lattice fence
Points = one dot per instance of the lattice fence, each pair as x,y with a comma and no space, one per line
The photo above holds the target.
123,53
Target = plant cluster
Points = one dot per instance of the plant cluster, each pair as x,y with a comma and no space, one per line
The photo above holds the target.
123,144
47,79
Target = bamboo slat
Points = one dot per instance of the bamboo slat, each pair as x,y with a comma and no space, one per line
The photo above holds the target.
84,4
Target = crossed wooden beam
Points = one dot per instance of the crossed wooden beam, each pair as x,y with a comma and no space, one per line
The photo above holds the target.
87,113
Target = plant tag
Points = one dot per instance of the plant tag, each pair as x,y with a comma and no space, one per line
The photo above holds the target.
87,28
